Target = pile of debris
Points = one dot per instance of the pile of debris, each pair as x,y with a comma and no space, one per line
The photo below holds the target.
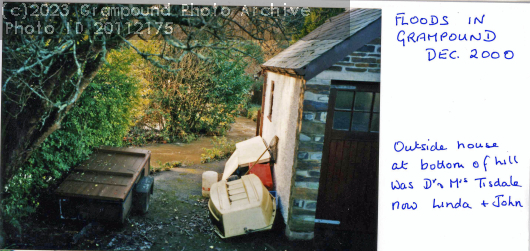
242,201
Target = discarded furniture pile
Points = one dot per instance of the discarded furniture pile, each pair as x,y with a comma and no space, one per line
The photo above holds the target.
242,201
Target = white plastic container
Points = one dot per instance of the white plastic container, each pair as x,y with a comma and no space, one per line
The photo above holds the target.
208,178
241,206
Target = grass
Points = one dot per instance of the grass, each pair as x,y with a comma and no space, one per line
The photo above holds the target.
252,112
222,149
165,166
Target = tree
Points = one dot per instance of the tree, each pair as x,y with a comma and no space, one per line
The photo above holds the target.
46,73
102,116
203,99
317,17
51,54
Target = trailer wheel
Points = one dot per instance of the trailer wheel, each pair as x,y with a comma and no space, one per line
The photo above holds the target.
143,193
145,209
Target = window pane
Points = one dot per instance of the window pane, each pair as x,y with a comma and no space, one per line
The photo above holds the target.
344,100
341,120
360,121
376,103
363,101
375,123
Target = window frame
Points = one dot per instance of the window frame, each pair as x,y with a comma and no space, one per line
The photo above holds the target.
355,87
271,101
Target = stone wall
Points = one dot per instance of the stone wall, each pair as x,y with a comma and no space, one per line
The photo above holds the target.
366,59
361,65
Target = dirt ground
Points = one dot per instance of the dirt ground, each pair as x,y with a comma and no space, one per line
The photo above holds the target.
177,220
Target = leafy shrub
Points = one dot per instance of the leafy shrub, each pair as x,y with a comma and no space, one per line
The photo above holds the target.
202,99
252,112
316,18
102,116
222,148
165,166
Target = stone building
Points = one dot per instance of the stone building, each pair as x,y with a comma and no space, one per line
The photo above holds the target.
321,98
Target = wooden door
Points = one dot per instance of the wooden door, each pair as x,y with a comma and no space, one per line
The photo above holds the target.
347,197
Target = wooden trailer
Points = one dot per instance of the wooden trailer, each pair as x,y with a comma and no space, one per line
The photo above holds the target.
107,186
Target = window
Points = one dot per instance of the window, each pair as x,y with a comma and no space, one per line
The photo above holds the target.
356,111
271,99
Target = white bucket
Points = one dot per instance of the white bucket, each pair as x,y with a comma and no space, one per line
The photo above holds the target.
208,178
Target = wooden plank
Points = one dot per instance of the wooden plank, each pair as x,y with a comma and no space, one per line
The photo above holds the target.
123,151
375,185
323,206
340,184
345,180
250,150
361,215
97,178
258,123
103,172
334,168
370,189
363,218
111,165
111,162
330,171
337,193
90,190
108,174
351,181
363,169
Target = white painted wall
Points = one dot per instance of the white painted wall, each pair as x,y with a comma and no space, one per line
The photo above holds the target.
284,125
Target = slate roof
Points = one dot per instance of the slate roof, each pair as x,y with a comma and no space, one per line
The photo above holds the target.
327,44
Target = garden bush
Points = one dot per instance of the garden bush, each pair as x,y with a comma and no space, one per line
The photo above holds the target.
102,116
203,99
221,149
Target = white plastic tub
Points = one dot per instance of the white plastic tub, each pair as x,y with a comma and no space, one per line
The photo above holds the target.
208,178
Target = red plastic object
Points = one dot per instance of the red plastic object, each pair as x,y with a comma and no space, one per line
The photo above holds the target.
263,171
